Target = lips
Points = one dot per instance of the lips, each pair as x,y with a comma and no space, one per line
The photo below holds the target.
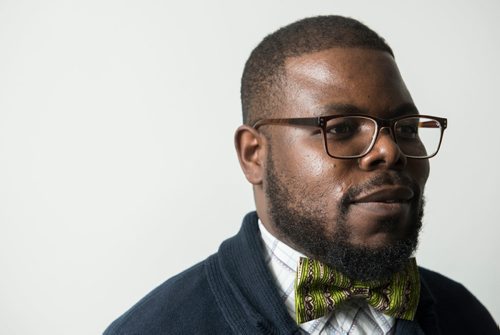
386,194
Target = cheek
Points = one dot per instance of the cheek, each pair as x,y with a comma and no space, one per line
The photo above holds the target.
299,155
311,172
420,171
313,165
305,159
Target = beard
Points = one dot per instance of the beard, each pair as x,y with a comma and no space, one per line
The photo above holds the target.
302,221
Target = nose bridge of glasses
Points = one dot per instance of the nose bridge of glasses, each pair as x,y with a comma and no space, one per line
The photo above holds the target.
386,128
384,131
384,125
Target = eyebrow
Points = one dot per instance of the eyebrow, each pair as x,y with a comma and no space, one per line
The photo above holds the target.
337,108
407,108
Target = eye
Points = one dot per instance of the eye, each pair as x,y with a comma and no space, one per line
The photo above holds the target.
409,130
341,129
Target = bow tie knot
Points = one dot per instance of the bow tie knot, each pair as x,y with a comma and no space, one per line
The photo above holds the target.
360,292
319,289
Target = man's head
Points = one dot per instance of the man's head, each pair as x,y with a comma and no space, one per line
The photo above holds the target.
360,215
263,75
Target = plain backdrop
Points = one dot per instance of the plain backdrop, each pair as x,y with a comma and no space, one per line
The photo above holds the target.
117,166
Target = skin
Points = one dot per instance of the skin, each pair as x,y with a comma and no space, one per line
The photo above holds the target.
369,81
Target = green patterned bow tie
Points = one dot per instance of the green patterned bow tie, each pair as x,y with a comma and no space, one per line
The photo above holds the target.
319,289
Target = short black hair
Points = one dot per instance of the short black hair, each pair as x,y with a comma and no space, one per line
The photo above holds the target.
265,67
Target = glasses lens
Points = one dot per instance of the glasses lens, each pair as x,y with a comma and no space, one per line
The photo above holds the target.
418,136
349,136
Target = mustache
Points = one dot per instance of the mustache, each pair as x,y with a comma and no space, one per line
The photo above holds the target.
388,178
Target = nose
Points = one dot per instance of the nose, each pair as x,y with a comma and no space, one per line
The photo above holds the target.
385,153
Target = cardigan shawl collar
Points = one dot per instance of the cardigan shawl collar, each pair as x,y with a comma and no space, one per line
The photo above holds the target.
247,296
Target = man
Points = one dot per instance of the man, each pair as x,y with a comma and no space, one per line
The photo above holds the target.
337,154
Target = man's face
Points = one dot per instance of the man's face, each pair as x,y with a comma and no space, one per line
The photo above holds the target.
360,215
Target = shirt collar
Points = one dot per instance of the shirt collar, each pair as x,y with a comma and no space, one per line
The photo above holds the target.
282,251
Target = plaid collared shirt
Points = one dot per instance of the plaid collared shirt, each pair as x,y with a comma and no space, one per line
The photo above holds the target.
354,317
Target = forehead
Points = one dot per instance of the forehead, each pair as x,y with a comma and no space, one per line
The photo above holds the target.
366,79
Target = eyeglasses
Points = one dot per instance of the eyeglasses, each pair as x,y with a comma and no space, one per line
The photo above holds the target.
353,136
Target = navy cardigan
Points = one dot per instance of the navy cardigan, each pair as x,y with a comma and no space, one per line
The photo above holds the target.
232,292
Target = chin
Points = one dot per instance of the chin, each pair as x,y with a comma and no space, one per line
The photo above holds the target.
384,237
379,241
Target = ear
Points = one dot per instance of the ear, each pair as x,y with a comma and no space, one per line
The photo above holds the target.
250,147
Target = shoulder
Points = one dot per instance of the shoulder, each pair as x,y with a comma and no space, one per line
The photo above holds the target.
182,304
455,306
445,290
441,285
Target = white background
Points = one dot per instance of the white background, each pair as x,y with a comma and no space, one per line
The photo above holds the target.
117,167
